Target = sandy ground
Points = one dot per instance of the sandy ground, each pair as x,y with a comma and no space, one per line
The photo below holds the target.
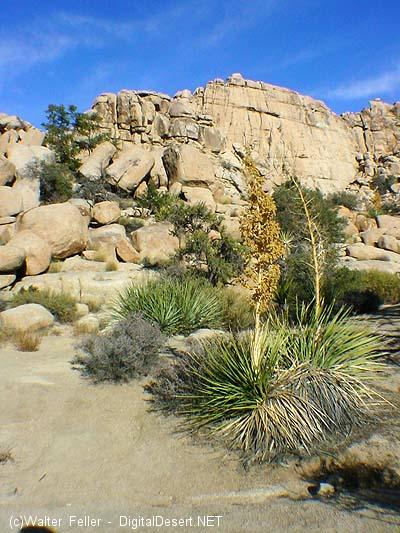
96,451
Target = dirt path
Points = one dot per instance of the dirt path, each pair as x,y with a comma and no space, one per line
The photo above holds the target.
83,450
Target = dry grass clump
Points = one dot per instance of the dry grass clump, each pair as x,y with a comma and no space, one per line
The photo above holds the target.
61,305
27,341
5,456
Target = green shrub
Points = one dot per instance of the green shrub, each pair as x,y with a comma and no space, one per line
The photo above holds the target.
56,181
178,306
159,203
309,384
126,352
69,131
297,267
61,305
238,309
364,291
345,198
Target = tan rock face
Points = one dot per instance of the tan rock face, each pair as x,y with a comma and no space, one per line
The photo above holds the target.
11,202
284,127
23,157
155,242
7,171
199,195
284,130
130,168
187,165
106,212
37,251
60,225
6,280
95,165
11,258
365,252
28,317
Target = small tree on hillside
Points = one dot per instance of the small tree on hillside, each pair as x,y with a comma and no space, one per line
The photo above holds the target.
261,237
68,132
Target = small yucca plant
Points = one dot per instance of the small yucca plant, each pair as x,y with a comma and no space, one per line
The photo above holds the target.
179,306
297,395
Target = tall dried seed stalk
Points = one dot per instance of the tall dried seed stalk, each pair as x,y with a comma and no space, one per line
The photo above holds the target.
261,237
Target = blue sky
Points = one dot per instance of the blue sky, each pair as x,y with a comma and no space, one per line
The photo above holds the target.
343,52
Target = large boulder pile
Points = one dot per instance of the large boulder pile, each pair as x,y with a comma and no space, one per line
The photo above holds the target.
194,146
372,243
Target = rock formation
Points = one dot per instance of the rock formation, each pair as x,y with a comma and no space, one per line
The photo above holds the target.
193,146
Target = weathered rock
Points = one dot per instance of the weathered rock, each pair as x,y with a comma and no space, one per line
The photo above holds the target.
155,243
365,252
106,212
27,317
10,201
26,157
130,168
92,288
37,251
232,227
32,137
7,231
187,165
387,242
78,264
199,195
7,171
364,223
126,252
88,324
60,225
381,266
11,258
388,222
95,165
350,229
6,280
372,236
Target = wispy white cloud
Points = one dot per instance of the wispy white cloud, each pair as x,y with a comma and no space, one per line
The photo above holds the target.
382,84
240,17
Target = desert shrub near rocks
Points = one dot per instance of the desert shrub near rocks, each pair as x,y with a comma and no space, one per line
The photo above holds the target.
61,305
238,309
125,352
297,270
310,382
178,306
344,198
160,204
363,291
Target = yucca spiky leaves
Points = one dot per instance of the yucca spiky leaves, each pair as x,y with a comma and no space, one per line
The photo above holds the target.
178,306
308,385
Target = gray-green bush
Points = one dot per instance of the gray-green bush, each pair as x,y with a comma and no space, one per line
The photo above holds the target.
125,352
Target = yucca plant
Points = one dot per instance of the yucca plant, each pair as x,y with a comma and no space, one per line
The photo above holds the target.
308,384
179,306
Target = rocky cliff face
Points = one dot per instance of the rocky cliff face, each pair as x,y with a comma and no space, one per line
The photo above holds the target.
286,131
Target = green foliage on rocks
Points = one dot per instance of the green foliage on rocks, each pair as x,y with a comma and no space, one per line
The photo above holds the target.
68,132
